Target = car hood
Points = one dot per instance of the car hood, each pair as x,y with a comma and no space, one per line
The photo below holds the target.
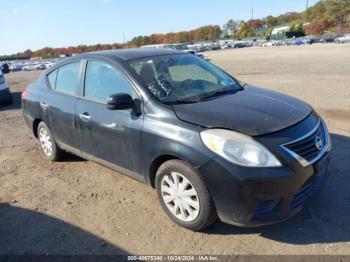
253,111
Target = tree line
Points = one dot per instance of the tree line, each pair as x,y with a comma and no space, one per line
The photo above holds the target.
204,33
326,16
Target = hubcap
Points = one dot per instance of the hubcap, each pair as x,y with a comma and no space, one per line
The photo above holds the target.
45,141
180,197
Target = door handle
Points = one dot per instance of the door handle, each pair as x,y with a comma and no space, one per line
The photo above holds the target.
43,105
85,117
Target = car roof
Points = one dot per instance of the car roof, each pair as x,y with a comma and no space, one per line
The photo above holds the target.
132,53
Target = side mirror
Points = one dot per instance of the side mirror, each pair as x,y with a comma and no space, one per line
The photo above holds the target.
120,102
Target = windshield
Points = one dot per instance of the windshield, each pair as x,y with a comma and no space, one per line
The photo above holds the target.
183,78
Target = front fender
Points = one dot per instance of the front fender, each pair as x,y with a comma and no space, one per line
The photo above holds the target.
176,139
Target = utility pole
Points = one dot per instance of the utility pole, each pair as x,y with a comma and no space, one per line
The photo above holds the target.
307,4
252,13
341,15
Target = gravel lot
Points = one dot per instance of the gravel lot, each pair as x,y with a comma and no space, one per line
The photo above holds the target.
79,207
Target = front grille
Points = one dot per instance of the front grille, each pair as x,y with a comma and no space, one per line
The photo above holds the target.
305,149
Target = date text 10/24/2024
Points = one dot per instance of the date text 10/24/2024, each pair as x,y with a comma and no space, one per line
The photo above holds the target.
173,258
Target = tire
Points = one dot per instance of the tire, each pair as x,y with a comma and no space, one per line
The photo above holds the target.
192,207
10,101
48,145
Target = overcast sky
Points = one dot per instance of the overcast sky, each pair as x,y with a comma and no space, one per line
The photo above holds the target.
35,24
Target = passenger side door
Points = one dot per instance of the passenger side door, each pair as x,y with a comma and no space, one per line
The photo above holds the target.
109,136
59,103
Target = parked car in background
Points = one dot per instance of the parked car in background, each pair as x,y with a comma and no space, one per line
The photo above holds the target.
208,144
273,43
16,68
330,38
315,39
302,41
179,47
198,47
238,44
260,43
289,41
343,39
49,65
33,67
226,46
185,48
40,67
214,46
28,68
5,94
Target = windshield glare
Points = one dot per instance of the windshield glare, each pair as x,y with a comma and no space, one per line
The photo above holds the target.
183,78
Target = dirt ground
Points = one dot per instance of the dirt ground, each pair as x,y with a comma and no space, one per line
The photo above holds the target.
79,207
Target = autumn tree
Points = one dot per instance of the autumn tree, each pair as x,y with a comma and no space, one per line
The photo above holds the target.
231,28
316,27
245,29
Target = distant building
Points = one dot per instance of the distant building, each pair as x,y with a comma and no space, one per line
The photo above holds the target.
279,32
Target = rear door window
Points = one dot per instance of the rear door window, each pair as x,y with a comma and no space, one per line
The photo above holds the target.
67,78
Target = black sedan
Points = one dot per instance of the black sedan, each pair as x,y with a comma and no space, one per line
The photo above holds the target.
330,38
210,145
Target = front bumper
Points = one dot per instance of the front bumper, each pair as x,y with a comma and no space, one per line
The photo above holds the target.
246,196
5,95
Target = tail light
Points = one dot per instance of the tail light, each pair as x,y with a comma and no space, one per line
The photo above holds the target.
24,94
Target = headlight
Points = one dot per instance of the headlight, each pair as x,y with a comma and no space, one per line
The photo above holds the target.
238,148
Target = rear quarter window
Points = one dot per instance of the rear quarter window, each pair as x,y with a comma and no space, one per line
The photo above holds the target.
67,78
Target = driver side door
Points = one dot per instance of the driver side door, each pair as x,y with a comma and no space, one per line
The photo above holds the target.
111,137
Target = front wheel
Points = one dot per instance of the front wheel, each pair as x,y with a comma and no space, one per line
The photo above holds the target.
184,196
48,144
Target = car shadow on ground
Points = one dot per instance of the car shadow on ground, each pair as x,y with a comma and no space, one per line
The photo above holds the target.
70,158
28,232
17,103
324,220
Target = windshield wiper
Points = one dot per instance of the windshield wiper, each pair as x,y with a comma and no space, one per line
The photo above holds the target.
217,93
181,102
202,97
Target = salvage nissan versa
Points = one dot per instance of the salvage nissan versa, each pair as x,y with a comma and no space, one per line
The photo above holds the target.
210,145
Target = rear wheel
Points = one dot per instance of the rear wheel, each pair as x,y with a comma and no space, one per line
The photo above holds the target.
184,196
48,144
10,102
